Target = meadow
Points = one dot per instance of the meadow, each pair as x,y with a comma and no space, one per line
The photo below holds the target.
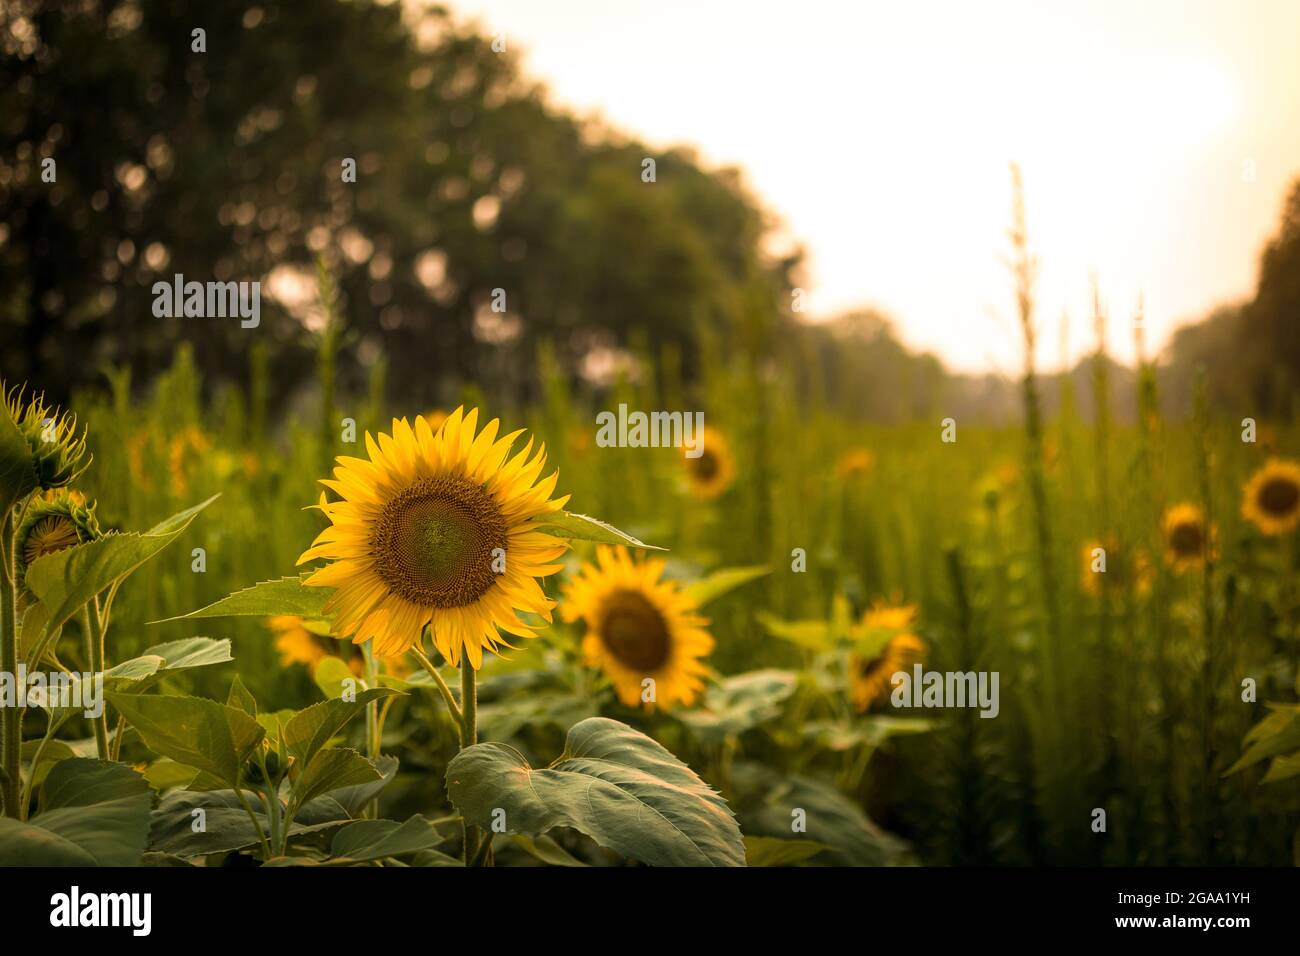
1147,711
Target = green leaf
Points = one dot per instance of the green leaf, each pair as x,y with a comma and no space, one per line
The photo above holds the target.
197,732
1283,768
768,801
192,652
266,599
614,784
352,800
566,524
1281,737
241,698
810,635
741,702
331,676
67,579
17,473
96,814
775,851
309,730
547,850
368,840
329,770
226,825
722,581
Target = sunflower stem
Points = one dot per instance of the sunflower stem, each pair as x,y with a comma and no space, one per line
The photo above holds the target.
442,688
94,627
10,717
468,738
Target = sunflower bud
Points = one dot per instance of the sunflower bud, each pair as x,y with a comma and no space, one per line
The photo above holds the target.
58,456
55,520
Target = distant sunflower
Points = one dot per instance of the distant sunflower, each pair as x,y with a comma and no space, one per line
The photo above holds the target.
712,472
638,627
855,462
871,678
1271,498
435,417
1189,541
438,528
298,645
1123,568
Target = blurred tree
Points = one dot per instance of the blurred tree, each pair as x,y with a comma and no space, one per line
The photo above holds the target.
481,221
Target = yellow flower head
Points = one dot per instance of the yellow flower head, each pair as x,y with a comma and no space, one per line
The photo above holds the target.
435,417
54,520
855,462
1114,570
638,627
870,677
712,472
1271,498
439,529
1189,542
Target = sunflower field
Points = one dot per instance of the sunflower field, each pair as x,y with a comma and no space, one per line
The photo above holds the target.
643,569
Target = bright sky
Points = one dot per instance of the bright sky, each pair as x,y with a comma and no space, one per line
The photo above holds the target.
1157,139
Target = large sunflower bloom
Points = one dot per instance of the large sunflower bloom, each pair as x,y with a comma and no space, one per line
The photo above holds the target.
638,627
1189,541
710,474
440,529
1271,498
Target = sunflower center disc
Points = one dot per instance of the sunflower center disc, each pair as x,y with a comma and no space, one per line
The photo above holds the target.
1186,539
434,542
1279,497
706,466
634,632
48,536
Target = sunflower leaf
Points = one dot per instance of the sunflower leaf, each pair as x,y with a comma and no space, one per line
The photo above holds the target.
197,732
67,579
567,524
95,814
613,783
722,582
266,599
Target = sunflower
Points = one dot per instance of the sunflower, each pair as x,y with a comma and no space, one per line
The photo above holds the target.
855,462
299,645
1123,569
712,472
440,529
871,678
435,417
1271,498
638,627
1188,540
54,520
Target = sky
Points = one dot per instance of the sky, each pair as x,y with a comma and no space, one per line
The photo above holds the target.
1157,140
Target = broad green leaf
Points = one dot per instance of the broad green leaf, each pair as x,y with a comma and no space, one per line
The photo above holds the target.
810,635
309,730
839,736
50,754
352,800
329,770
613,783
67,579
723,581
192,652
741,702
547,850
1283,768
226,825
95,814
767,798
197,732
566,524
164,774
375,839
266,599
775,851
